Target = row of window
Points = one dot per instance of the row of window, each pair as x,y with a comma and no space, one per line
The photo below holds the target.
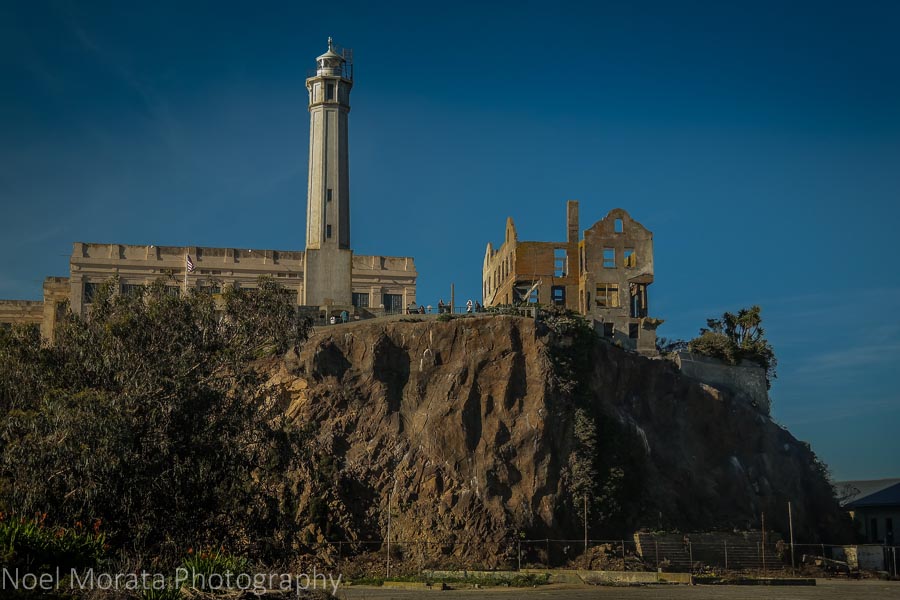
500,273
131,289
607,296
328,194
390,302
629,258
330,92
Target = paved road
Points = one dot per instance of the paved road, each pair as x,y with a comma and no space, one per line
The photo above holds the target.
824,590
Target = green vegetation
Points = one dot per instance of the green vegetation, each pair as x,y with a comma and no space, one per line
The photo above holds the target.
201,565
150,417
33,546
735,337
482,579
604,449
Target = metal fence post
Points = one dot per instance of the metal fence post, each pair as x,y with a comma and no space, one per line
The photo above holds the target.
726,555
519,554
656,543
691,555
791,524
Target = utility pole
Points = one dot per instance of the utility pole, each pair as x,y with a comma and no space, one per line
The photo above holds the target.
452,297
390,503
791,526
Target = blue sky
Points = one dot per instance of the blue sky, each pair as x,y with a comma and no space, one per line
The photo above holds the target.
760,141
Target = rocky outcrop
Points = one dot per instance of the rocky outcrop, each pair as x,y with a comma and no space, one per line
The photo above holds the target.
466,429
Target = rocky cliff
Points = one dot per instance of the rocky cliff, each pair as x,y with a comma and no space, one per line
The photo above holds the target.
483,428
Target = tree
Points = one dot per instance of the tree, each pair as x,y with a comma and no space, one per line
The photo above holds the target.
150,415
666,345
737,336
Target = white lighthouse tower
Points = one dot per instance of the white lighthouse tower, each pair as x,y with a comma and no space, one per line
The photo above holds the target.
329,260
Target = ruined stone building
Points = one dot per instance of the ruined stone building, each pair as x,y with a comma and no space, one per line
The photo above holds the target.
604,275
327,275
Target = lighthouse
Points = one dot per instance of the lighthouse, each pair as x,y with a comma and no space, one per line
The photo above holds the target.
329,260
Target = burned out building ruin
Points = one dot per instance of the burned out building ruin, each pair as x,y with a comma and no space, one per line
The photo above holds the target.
603,275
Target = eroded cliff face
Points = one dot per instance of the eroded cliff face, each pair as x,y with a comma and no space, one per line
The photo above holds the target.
469,425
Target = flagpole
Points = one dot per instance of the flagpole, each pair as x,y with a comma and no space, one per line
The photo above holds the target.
185,273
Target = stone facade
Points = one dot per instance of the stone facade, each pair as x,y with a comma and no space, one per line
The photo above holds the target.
380,284
215,268
24,312
603,276
326,279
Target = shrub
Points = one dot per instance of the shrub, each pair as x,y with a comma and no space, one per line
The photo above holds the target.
737,336
151,415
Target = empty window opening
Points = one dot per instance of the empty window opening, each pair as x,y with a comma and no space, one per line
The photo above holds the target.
638,303
608,330
629,258
328,195
619,228
361,299
329,91
874,531
633,329
558,295
608,295
525,291
328,231
560,261
609,258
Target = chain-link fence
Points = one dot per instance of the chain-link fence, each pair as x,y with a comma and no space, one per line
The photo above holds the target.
700,554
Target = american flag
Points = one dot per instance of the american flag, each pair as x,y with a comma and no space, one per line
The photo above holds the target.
189,263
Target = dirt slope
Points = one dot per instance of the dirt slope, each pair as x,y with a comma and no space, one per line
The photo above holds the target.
471,425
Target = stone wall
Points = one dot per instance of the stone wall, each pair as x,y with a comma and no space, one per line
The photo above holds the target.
21,312
746,381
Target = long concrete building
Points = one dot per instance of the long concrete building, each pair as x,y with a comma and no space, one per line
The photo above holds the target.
326,277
